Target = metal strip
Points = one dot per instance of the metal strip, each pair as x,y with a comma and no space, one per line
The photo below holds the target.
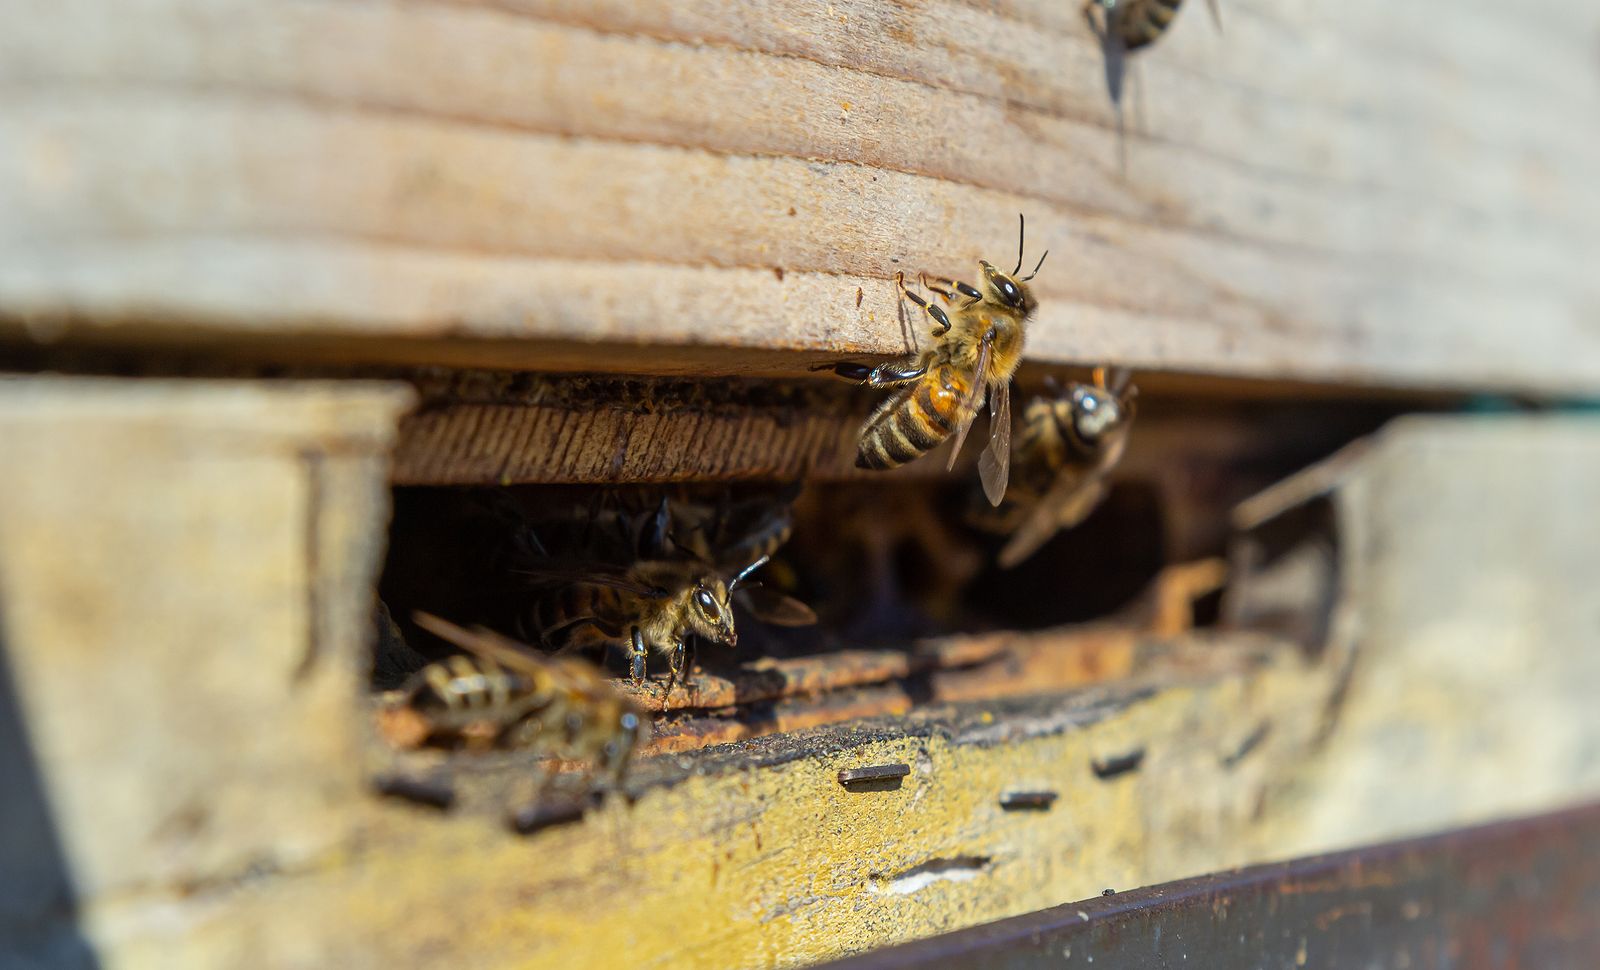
1524,893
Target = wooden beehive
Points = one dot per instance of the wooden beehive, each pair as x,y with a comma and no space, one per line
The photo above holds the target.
288,254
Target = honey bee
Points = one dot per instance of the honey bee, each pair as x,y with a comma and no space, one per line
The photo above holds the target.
502,693
978,345
728,533
649,606
1067,447
1132,24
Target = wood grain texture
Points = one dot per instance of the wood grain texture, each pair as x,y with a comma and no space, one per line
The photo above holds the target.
183,561
1469,548
757,856
209,799
1357,194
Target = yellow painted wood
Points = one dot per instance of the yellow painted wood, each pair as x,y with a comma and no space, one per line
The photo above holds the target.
776,866
211,799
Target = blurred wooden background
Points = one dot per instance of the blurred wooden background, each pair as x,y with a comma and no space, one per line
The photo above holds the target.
1396,194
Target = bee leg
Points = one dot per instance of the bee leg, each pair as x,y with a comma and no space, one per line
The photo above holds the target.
943,285
891,374
636,657
895,374
940,318
532,539
942,292
676,672
849,370
1095,25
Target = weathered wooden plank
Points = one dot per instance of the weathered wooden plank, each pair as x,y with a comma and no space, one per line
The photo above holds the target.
1517,893
477,428
1467,553
760,857
185,573
153,643
1348,197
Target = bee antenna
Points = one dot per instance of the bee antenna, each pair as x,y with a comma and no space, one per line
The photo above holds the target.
1022,232
1117,380
538,547
746,571
1035,267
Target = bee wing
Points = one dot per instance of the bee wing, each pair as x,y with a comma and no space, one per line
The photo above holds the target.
770,606
968,408
593,574
1216,13
1069,501
765,536
994,466
484,644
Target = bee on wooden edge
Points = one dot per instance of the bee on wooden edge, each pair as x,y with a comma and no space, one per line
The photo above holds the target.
977,348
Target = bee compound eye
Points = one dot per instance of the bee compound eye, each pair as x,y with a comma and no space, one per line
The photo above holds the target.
705,601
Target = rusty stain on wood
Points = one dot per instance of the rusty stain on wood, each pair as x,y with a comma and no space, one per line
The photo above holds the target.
834,688
770,679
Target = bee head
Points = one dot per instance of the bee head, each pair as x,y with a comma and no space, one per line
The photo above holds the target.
710,613
1005,289
1094,412
1011,289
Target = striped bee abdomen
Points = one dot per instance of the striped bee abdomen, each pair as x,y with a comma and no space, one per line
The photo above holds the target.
557,612
912,422
461,691
1142,22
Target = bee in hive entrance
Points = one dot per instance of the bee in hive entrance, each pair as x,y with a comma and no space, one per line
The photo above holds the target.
689,566
978,345
501,693
1069,444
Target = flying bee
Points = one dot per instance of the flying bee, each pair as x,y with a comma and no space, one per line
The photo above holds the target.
1132,24
501,692
1067,447
977,347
